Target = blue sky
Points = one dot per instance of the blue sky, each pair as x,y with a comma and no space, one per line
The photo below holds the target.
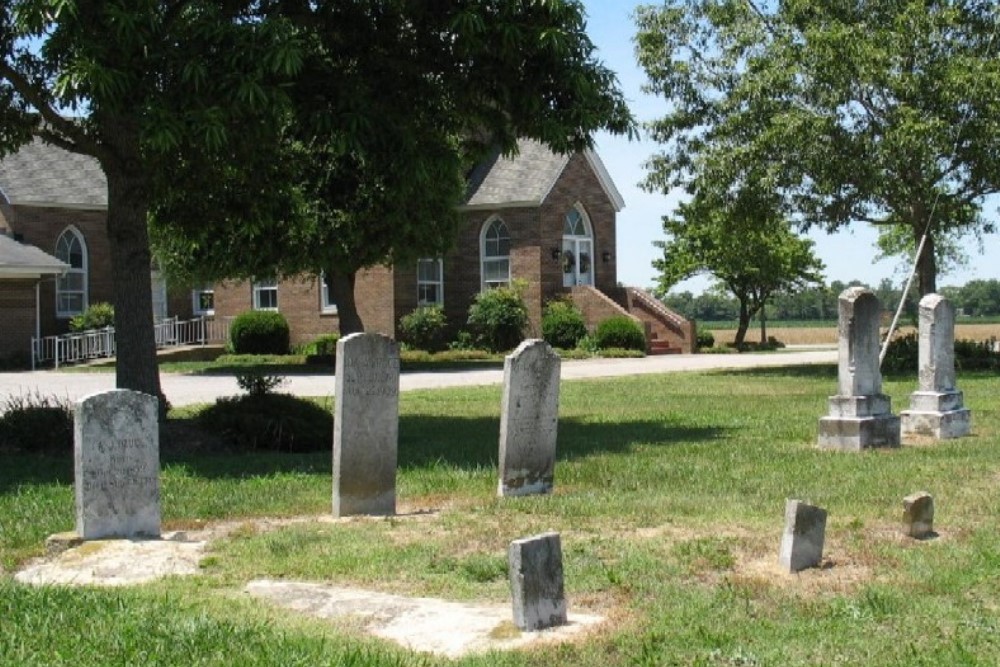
848,255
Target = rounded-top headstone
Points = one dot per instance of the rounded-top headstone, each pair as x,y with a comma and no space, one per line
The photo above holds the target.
859,344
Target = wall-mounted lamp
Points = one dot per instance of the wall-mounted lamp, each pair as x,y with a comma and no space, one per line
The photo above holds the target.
556,253
605,256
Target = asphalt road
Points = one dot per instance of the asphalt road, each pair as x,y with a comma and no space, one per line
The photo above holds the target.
188,389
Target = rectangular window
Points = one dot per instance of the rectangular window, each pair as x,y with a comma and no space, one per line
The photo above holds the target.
326,302
496,273
203,300
430,282
265,295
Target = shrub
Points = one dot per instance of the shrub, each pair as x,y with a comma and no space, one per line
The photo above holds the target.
704,339
562,324
901,356
259,332
97,316
275,422
622,332
464,340
36,423
424,328
325,345
498,318
256,383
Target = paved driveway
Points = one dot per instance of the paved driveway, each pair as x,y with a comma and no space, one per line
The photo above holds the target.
187,389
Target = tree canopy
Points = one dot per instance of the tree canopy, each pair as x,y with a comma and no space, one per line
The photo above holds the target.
396,102
753,258
881,112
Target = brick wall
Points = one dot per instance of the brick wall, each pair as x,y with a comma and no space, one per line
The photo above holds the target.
17,303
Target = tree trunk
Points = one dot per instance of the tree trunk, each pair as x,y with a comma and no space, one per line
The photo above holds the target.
342,293
926,265
744,325
763,326
128,240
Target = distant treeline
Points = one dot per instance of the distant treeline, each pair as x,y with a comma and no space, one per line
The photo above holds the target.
977,298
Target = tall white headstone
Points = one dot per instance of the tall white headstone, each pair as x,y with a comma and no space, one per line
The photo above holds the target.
116,449
529,417
860,415
936,408
365,425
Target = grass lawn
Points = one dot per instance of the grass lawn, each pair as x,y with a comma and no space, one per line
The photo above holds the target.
670,495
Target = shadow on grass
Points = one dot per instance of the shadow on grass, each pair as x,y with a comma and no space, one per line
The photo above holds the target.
34,469
818,371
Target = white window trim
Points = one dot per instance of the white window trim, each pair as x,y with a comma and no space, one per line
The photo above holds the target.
196,302
482,251
84,271
259,286
439,282
326,304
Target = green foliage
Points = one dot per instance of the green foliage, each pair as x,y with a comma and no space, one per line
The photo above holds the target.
258,384
37,424
424,328
259,332
273,422
97,316
903,355
562,324
620,332
835,113
498,318
704,339
464,340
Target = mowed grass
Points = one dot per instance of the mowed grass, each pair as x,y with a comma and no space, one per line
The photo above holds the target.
670,493
820,333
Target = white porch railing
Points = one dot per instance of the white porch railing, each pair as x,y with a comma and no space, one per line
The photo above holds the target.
100,343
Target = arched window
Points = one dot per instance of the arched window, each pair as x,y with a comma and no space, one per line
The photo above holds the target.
495,253
577,249
71,288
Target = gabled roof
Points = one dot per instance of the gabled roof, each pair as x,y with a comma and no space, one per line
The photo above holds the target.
527,178
40,174
18,260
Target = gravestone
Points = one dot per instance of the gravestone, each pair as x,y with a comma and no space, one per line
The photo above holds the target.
918,515
936,408
536,582
529,416
365,425
860,415
116,451
802,540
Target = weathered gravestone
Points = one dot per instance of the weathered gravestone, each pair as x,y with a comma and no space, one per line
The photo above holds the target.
918,515
936,407
860,414
536,582
116,450
366,425
803,537
529,416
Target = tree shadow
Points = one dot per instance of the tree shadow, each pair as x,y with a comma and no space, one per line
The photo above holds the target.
818,371
34,469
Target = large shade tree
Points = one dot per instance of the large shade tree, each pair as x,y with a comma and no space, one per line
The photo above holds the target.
885,112
395,103
140,85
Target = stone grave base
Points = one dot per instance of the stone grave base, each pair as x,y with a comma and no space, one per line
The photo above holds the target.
857,433
451,629
939,425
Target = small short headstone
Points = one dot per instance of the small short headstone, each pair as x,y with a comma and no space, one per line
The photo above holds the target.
918,515
365,425
116,449
936,408
860,415
802,541
536,582
529,417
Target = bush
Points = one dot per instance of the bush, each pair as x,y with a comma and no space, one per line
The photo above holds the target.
36,424
256,383
903,355
274,422
621,332
97,316
259,332
562,324
498,318
325,345
704,339
424,328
